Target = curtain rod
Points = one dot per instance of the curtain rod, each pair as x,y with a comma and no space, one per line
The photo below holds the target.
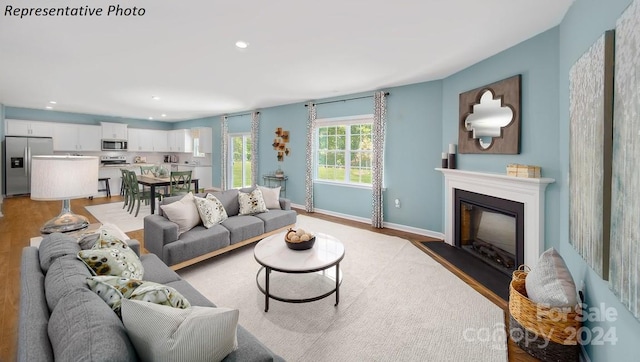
347,99
241,114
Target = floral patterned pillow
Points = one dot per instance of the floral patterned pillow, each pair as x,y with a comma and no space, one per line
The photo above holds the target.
211,210
159,294
112,256
113,289
251,203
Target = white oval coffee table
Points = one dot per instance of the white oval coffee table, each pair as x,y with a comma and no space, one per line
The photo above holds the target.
274,255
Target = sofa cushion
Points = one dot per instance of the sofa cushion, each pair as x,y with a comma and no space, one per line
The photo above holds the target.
271,196
54,246
85,329
117,261
65,276
183,212
156,271
251,203
276,219
196,242
211,210
159,294
243,227
229,199
168,334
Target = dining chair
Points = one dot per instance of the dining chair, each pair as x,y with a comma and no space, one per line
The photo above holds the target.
180,182
137,194
147,171
124,187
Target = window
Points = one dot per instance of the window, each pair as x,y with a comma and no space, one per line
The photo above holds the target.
240,153
195,136
344,150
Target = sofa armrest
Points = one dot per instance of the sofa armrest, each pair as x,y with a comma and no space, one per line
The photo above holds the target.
158,231
285,204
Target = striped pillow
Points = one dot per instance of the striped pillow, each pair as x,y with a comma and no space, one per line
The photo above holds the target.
161,333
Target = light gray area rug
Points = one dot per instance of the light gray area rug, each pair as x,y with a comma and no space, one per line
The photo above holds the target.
396,304
113,213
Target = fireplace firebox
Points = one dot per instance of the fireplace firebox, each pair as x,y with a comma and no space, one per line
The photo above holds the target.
490,228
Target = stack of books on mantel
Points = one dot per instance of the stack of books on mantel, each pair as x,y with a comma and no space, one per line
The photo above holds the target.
518,170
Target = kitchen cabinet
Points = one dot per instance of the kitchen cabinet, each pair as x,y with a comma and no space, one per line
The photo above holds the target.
147,140
205,139
180,140
17,127
76,137
114,131
202,173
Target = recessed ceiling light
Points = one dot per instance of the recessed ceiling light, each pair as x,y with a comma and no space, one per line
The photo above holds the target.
163,115
155,98
48,107
53,102
242,44
151,118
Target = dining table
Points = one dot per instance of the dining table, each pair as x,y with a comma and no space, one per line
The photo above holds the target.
152,182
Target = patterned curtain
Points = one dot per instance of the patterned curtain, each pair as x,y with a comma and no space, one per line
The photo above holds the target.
255,127
377,163
311,125
224,154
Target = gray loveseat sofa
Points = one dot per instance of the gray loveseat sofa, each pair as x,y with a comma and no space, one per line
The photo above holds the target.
178,251
62,319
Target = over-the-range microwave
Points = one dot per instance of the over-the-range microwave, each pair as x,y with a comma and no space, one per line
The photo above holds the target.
114,145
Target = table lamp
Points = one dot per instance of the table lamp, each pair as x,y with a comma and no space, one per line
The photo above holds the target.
64,178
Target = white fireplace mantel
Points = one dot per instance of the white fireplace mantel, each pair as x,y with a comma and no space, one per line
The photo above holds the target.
528,191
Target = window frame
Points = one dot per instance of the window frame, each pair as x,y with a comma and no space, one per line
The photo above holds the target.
245,136
340,121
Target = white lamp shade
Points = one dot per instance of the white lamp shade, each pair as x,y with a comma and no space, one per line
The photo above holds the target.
63,177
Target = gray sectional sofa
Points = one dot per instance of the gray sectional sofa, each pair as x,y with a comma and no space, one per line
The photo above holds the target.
178,251
62,319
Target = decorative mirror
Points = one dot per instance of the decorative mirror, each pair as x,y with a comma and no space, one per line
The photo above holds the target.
490,118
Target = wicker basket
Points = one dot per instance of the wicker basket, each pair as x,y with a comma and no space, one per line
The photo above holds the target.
547,333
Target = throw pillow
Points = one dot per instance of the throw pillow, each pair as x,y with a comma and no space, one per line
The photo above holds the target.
211,210
113,289
271,197
251,203
183,212
115,258
550,281
107,240
159,333
159,294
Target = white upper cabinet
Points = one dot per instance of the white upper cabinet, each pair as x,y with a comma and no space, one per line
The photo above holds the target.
76,137
180,140
114,131
17,127
159,139
147,140
205,139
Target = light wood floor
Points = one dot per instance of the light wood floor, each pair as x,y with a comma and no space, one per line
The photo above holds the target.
23,218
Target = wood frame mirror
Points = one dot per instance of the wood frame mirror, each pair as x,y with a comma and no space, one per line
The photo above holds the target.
489,118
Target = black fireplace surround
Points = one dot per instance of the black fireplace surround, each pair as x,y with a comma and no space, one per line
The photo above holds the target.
496,205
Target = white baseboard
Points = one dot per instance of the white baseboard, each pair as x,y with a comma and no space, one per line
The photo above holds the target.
409,229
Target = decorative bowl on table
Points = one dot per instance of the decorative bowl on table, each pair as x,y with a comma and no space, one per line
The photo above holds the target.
299,239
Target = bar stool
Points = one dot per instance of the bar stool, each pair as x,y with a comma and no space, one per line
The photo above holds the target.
106,185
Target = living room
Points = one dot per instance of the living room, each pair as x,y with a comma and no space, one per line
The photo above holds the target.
422,120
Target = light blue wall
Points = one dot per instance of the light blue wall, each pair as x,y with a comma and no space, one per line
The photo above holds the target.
584,23
537,61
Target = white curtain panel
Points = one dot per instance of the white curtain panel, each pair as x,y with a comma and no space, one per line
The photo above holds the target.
255,127
311,125
224,154
377,162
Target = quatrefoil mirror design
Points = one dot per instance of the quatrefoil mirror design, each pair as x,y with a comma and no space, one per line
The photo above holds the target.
487,119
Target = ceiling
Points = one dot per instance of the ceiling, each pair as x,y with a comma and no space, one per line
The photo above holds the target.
184,51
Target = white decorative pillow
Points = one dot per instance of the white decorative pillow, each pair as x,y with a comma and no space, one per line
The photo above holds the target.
271,196
113,289
160,333
211,210
183,212
550,282
251,203
160,294
112,257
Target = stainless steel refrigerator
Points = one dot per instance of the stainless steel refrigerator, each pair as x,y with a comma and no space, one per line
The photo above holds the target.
18,152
